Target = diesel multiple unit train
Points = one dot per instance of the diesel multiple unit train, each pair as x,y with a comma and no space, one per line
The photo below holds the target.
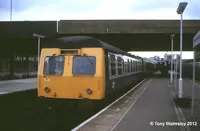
79,67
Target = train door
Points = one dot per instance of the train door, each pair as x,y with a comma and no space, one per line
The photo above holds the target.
106,72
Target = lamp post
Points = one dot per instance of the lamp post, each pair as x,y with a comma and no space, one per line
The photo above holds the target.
10,10
171,73
174,75
180,11
39,37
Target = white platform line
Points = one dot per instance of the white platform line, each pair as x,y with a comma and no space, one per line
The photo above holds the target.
1,93
18,90
94,116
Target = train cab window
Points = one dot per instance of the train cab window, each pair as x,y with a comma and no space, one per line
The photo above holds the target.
84,65
54,65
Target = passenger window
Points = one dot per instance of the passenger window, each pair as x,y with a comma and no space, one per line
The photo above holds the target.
112,64
131,66
123,69
128,66
119,65
136,66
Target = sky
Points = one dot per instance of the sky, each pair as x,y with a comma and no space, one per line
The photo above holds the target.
147,54
96,9
29,10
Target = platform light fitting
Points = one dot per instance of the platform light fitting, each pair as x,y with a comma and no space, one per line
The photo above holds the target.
181,7
37,35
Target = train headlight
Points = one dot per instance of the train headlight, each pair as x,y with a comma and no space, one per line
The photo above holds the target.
46,89
89,91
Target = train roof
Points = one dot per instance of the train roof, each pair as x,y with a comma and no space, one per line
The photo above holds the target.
74,42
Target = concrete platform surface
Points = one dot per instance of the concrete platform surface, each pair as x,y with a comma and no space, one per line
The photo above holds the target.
149,108
17,85
187,92
152,111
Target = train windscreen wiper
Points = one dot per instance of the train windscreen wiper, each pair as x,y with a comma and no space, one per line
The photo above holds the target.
88,59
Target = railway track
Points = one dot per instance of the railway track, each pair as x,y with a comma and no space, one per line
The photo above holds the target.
24,111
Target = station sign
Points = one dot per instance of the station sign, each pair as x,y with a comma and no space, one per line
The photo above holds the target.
196,40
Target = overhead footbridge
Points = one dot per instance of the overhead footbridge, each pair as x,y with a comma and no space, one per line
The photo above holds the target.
134,35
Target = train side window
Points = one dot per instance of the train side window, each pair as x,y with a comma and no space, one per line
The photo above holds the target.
124,70
123,66
139,66
119,65
136,66
128,66
131,66
113,64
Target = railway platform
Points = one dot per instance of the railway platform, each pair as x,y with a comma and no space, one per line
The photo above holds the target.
11,86
149,108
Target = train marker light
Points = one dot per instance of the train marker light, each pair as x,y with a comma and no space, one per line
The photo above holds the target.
46,89
89,91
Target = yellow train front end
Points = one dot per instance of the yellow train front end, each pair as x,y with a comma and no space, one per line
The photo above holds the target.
72,73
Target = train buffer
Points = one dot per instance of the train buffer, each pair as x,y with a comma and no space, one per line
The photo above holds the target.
149,108
11,86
